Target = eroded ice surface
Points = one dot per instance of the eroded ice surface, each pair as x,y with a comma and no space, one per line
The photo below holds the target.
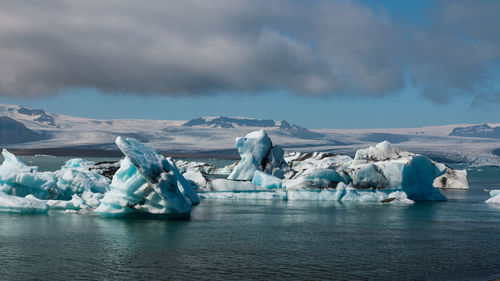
342,193
146,183
258,154
379,167
20,180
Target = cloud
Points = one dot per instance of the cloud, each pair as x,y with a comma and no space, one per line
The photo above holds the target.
195,47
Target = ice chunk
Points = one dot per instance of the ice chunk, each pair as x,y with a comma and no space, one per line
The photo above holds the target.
78,163
385,167
147,183
246,195
380,152
257,153
452,179
72,181
28,204
267,181
155,168
18,179
342,193
74,178
495,197
127,193
230,185
198,180
184,166
76,203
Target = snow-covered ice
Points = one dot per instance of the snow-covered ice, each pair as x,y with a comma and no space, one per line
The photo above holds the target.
452,179
258,153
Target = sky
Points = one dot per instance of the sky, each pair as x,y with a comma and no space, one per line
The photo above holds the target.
319,64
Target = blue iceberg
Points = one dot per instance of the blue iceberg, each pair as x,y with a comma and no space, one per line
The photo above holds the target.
147,184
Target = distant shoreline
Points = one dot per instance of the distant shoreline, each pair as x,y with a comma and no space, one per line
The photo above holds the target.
91,152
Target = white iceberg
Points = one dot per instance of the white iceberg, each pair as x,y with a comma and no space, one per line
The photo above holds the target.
258,153
494,197
147,183
385,167
452,179
230,185
60,186
18,179
28,204
377,170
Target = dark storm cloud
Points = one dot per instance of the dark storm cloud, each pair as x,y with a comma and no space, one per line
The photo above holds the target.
203,47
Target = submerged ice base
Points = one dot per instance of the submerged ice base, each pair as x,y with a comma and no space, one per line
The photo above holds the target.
28,204
342,193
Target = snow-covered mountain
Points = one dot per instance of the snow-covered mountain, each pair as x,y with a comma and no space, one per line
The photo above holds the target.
478,131
24,128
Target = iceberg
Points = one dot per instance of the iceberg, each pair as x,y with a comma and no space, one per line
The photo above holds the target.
382,167
267,181
28,204
73,178
385,167
258,153
343,193
18,179
147,184
230,185
452,179
494,197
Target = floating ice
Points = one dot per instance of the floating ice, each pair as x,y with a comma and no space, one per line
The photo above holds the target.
452,179
147,183
230,185
342,193
267,181
18,179
380,167
28,204
257,153
78,163
74,178
495,197
196,178
385,167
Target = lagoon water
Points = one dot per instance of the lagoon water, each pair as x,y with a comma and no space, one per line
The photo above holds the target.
244,239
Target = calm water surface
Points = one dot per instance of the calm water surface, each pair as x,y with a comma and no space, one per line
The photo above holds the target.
454,240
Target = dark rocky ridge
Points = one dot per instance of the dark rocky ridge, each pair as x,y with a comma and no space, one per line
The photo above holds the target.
12,131
43,117
230,122
478,131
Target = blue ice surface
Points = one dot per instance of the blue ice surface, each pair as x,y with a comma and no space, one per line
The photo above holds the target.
147,183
